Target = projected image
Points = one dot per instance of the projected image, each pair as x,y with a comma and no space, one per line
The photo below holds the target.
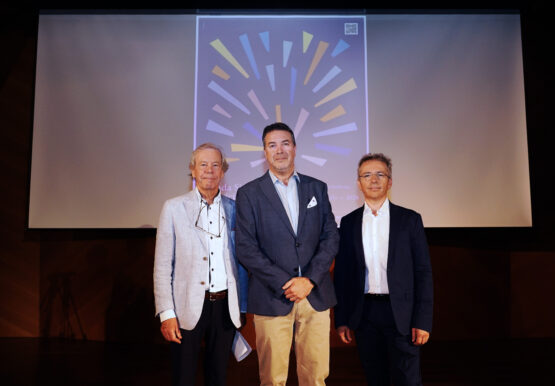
308,72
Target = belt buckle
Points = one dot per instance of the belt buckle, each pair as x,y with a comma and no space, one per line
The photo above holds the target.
212,296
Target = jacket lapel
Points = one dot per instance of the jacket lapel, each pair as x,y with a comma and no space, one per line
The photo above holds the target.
272,196
357,236
394,224
302,191
192,206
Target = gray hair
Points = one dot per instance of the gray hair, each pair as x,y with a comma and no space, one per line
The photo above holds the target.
205,146
377,157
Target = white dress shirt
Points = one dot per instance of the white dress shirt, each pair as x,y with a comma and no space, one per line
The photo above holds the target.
375,241
289,197
212,221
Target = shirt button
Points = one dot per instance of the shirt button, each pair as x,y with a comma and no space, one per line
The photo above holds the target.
211,253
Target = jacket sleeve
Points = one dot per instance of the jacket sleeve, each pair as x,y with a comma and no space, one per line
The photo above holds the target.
164,257
248,250
423,283
340,277
328,245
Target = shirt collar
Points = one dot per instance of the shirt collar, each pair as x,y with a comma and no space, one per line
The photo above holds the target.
384,209
275,179
217,199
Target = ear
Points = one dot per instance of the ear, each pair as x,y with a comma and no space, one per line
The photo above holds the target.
359,185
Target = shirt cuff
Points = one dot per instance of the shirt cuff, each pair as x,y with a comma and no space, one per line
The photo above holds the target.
165,315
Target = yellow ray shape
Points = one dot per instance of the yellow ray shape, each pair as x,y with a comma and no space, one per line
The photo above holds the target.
240,147
219,46
336,112
278,113
349,85
307,38
217,70
230,160
322,47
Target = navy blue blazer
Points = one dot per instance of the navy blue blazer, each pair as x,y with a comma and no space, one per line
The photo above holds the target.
409,271
272,253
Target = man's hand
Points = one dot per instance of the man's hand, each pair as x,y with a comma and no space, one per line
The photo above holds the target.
297,288
345,334
170,330
419,337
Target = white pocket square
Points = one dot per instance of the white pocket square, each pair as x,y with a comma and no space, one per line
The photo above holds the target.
312,203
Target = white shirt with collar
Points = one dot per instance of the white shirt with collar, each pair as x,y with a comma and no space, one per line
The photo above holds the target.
289,197
212,221
375,241
211,218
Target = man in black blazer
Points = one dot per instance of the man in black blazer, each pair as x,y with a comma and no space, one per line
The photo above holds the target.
287,239
383,281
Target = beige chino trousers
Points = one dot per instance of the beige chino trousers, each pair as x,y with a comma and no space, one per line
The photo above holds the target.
311,332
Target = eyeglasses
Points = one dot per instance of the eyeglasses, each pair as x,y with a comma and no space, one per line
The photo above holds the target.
379,175
203,205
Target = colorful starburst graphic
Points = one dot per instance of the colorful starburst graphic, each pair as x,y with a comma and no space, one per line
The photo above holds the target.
309,72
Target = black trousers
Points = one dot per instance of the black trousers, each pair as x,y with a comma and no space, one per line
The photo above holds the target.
217,330
386,355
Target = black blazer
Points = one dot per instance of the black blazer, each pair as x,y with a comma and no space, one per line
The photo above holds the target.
409,272
271,252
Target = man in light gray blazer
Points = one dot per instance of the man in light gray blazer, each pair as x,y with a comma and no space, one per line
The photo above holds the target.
200,289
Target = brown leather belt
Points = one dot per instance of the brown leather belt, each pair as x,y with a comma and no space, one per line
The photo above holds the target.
213,296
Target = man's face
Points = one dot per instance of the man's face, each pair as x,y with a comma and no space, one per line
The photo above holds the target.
373,187
208,170
280,152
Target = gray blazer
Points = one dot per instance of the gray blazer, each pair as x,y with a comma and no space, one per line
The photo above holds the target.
268,247
179,267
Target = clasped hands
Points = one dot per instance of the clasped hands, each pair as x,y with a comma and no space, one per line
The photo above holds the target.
297,288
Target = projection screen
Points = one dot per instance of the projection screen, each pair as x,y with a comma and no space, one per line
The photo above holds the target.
122,100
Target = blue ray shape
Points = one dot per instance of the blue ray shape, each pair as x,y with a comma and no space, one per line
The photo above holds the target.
248,50
265,37
339,48
250,128
293,82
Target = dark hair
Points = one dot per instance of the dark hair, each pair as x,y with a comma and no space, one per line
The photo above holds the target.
277,126
377,157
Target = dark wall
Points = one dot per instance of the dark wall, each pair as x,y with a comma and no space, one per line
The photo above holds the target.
489,283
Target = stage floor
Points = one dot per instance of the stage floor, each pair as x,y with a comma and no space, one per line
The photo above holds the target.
34,361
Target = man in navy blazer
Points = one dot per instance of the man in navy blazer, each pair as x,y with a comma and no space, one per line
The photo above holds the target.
287,239
383,281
